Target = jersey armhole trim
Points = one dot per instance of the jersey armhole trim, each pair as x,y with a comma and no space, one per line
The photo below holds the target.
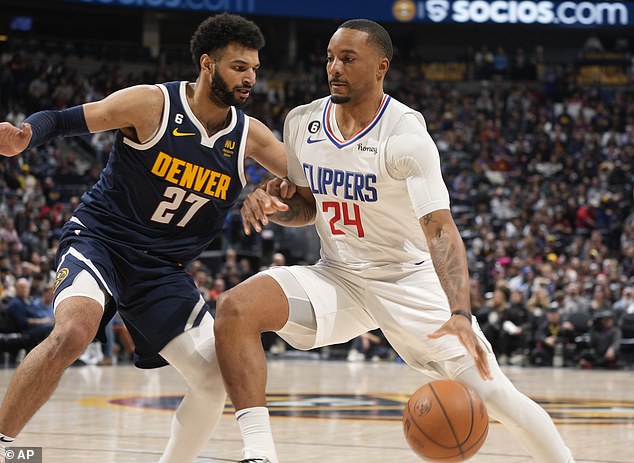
243,147
158,134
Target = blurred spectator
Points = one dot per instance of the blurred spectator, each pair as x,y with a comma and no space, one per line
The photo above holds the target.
574,300
370,346
550,333
604,344
515,333
216,290
491,313
625,304
34,318
230,265
119,344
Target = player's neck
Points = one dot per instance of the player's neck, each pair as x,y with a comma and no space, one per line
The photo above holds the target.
353,116
213,116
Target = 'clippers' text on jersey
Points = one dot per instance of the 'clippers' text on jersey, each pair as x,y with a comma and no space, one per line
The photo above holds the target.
344,184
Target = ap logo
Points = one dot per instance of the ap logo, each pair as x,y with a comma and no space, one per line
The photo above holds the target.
437,10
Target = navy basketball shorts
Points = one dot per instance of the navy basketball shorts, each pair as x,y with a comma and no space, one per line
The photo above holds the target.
157,299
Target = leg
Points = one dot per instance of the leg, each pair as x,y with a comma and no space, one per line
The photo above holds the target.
108,346
193,354
525,419
123,336
242,314
76,321
289,300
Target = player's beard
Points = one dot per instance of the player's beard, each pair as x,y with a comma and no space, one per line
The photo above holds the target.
339,99
222,93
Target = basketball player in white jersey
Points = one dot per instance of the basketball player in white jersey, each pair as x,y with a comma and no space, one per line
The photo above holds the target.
368,175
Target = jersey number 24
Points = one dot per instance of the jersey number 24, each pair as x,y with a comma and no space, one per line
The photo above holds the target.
341,211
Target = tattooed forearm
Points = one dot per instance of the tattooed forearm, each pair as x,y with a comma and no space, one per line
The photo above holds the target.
299,213
449,259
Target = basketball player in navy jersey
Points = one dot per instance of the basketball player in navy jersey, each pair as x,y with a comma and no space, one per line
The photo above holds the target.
368,175
176,169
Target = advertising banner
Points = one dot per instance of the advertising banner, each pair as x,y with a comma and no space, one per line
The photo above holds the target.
549,13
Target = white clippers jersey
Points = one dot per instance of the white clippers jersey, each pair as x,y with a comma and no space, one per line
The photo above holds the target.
365,217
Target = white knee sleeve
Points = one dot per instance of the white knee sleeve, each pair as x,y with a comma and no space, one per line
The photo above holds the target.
193,354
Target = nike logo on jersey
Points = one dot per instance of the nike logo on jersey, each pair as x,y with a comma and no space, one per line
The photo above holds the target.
176,133
314,140
5,439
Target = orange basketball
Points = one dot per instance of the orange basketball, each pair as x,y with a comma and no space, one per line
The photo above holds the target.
445,421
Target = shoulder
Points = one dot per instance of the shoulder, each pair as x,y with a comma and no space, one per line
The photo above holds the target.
406,119
257,129
306,110
137,99
151,92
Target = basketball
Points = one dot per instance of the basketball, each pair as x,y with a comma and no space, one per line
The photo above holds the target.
445,421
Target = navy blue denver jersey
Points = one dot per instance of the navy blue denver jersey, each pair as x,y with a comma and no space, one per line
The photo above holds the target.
170,195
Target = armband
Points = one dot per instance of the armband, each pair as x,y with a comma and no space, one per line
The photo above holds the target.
464,313
47,125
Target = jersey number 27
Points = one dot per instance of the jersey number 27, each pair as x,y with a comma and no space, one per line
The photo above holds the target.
164,213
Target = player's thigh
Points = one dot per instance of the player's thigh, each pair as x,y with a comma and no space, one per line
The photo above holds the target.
407,309
324,307
258,302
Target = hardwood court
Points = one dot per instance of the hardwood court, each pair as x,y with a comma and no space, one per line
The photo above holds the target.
325,411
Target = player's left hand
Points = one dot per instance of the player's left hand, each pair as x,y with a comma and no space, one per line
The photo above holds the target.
459,326
14,140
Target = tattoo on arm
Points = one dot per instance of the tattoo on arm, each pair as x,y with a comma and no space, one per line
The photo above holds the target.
428,218
449,259
299,213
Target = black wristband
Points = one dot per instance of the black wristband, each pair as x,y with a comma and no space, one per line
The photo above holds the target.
50,124
464,313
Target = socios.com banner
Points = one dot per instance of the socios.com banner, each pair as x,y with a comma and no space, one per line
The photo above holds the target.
559,13
517,12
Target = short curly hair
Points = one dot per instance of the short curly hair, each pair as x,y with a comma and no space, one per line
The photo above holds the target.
216,32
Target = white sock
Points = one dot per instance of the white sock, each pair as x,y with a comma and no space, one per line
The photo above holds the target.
3,441
255,427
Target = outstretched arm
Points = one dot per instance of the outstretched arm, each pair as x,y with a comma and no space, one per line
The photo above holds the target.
450,262
137,109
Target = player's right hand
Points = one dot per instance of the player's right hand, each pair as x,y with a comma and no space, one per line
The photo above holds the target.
459,326
281,187
256,208
14,140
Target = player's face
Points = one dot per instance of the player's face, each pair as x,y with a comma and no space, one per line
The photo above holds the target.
233,75
355,67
